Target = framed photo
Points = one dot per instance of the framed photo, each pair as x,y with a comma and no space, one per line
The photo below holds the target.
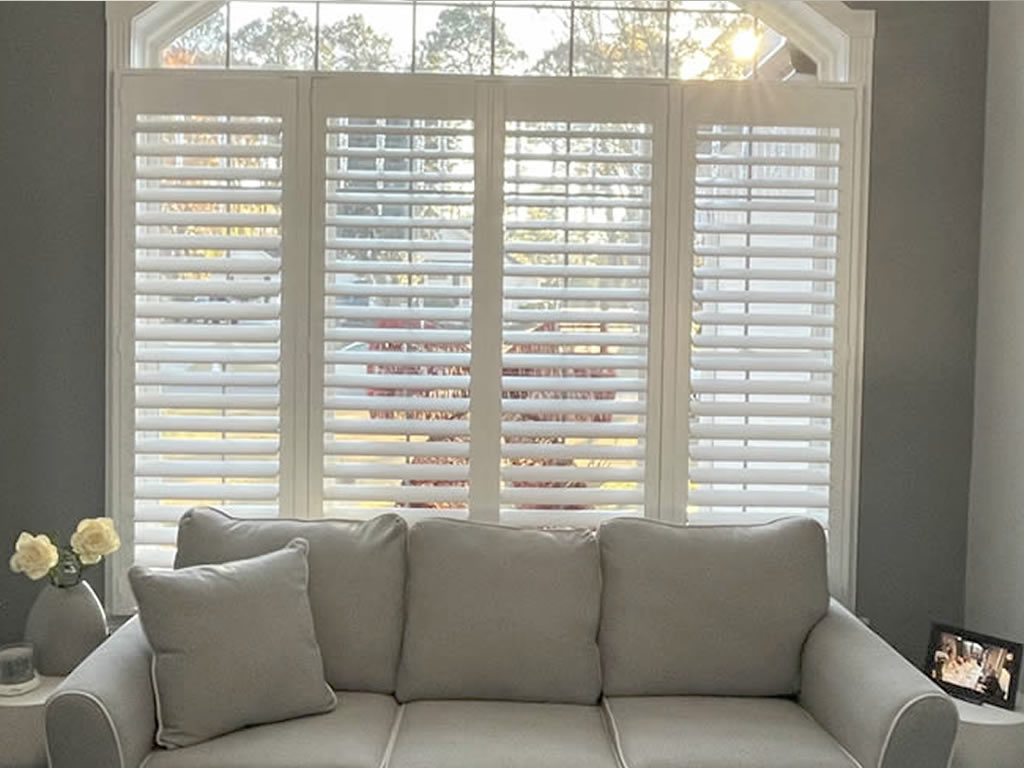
973,666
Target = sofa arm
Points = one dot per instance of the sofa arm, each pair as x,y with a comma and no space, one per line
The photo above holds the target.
103,715
881,708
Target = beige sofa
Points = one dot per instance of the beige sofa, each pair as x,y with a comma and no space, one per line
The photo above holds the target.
459,645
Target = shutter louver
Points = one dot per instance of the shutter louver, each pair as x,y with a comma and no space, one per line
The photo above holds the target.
763,362
576,289
207,287
398,263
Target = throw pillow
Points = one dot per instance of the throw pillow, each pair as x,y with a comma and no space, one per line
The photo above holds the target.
233,645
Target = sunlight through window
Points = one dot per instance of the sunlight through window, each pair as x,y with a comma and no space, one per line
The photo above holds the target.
711,40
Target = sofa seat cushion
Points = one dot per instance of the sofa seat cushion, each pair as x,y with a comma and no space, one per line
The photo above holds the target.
500,734
354,735
720,732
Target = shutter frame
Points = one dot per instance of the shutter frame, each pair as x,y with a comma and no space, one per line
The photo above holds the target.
833,107
603,114
366,317
171,323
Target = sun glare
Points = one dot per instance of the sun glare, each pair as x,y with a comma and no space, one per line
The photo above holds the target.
744,44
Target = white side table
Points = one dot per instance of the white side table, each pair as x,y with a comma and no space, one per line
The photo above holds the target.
22,730
989,737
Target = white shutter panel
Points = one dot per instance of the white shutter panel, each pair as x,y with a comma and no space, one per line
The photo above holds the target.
581,182
204,295
769,175
397,267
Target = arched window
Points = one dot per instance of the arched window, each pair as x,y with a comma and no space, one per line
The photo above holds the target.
532,262
681,39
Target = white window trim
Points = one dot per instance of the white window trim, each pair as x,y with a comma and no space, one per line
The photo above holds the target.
840,40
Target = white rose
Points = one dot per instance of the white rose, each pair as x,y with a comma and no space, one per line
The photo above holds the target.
94,538
34,556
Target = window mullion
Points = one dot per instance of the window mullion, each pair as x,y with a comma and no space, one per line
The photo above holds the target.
298,401
486,340
315,129
664,388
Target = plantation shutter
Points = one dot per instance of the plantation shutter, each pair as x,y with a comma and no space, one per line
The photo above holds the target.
768,172
629,299
582,184
203,297
398,204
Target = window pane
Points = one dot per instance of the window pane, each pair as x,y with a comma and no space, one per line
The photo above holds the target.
623,42
647,5
541,33
704,5
366,37
456,40
713,46
273,35
204,45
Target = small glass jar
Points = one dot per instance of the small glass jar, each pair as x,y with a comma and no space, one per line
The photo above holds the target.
17,671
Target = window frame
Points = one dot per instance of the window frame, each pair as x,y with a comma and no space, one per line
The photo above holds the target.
840,39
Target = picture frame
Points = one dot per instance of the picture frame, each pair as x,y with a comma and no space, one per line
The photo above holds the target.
980,668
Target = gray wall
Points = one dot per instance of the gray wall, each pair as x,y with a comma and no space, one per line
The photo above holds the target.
922,271
921,297
51,281
995,562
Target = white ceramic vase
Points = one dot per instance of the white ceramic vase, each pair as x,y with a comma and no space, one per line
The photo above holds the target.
65,625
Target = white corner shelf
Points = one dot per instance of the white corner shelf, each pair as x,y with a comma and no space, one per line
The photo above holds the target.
22,729
989,737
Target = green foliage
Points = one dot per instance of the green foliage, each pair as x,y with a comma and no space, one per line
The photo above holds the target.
461,43
284,39
630,42
716,57
204,45
625,42
352,45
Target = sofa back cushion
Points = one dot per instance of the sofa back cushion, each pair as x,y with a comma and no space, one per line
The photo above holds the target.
501,613
356,583
718,610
